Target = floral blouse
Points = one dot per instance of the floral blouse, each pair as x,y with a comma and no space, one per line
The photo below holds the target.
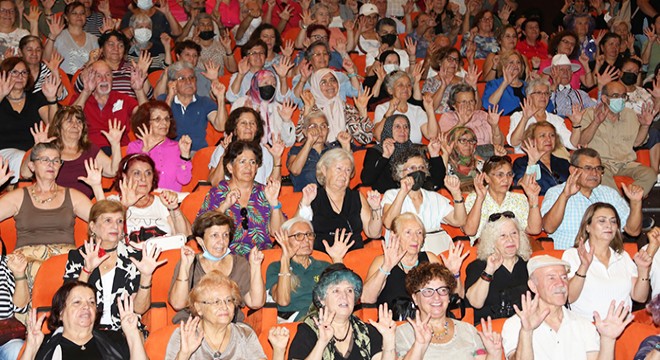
126,280
432,85
252,227
485,45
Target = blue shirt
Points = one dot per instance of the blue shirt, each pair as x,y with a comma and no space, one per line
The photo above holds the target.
308,174
548,179
192,120
509,102
564,235
336,62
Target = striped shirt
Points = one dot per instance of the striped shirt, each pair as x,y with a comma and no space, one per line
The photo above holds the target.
93,23
44,72
121,81
7,287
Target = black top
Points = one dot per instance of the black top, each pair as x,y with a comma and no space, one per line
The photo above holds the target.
504,290
558,175
395,285
15,127
377,171
305,339
326,220
105,345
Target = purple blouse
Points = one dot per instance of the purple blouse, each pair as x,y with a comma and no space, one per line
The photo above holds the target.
173,172
251,229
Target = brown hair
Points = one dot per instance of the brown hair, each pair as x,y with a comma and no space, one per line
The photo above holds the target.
142,116
212,218
10,63
126,163
63,114
530,132
59,303
617,242
104,207
426,272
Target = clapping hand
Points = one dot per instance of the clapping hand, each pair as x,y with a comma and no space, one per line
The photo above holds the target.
341,245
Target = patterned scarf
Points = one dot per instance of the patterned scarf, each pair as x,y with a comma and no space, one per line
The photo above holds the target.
258,103
387,133
360,337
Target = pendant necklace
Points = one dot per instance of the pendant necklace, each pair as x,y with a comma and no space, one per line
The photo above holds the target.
442,334
217,354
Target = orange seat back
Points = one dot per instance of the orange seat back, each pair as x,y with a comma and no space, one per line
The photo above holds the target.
154,77
358,157
628,343
49,279
200,167
193,202
360,62
289,200
8,234
268,349
360,260
68,85
156,344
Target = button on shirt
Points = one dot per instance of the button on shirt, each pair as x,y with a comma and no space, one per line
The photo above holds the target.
191,120
575,339
118,105
564,235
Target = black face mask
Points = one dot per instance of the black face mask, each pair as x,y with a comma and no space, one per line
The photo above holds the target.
388,39
202,10
267,92
206,35
629,78
420,178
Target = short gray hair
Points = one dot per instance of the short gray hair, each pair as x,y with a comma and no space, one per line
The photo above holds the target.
201,17
402,157
314,114
459,88
139,18
329,158
174,69
534,83
318,6
393,77
491,233
294,220
41,147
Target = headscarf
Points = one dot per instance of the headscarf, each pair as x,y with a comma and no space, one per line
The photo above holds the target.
260,104
332,108
465,167
387,133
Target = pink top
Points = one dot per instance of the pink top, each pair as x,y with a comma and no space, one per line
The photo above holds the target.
230,13
575,80
479,124
173,172
177,11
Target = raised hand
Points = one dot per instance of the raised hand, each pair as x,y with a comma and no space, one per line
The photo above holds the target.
54,62
149,139
256,257
423,332
453,184
40,133
5,173
191,335
373,199
286,109
349,66
17,263
531,317
610,74
633,192
493,262
407,184
272,191
149,261
427,101
616,321
282,68
492,340
455,258
571,188
243,66
55,25
305,69
647,115
169,199
218,89
386,326
277,149
289,248
90,255
418,71
324,323
586,257
388,147
138,77
392,253
479,187
94,173
344,139
33,16
531,188
115,131
287,49
472,76
577,113
309,194
411,47
308,99
362,100
231,198
340,46
34,334
533,153
128,190
278,338
185,144
129,319
341,245
528,109
494,114
211,70
50,86
187,256
642,259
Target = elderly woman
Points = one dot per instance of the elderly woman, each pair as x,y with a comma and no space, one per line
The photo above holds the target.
333,20
539,144
647,349
44,212
213,232
148,215
253,59
318,55
386,277
14,297
74,332
68,131
253,206
432,335
336,333
276,115
291,280
302,159
271,37
395,139
159,48
600,266
423,122
211,333
332,205
507,39
497,278
215,49
114,269
155,129
10,32
72,42
31,52
410,169
491,195
245,124
608,47
508,92
467,112
324,96
531,45
534,109
583,24
483,38
627,47
445,64
21,109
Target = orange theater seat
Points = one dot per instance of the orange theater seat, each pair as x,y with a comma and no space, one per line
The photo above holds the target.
160,313
213,136
628,343
358,157
289,200
268,349
48,280
497,327
618,180
156,343
200,167
360,260
549,251
154,77
8,234
68,86
192,203
360,62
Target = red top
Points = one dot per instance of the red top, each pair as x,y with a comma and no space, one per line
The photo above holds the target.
281,5
539,50
119,106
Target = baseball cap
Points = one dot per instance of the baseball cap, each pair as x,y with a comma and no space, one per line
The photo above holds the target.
368,9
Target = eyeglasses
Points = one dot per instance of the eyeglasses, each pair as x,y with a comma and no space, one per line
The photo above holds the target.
315,126
224,302
452,59
466,102
301,236
186,78
56,161
496,216
77,14
429,292
414,168
256,53
567,42
501,175
542,93
319,38
244,222
600,168
161,119
16,73
618,96
463,141
7,11
317,54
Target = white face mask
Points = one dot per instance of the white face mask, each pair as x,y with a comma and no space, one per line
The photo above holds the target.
389,68
142,35
145,4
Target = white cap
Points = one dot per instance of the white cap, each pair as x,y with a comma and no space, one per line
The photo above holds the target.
561,59
541,261
368,9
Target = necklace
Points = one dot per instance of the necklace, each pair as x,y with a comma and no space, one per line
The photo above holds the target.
33,193
406,267
334,205
348,329
16,99
217,354
442,334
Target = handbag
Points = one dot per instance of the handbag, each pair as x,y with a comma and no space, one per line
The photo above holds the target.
11,329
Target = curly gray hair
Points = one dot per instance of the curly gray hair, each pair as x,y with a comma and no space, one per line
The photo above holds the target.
393,77
491,233
174,69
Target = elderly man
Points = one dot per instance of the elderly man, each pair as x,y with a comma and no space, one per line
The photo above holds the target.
564,204
101,104
250,17
191,112
563,96
614,130
545,329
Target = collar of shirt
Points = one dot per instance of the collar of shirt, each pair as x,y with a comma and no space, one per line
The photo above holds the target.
561,87
183,107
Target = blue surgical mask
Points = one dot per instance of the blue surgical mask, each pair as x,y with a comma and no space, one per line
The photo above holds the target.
207,255
617,105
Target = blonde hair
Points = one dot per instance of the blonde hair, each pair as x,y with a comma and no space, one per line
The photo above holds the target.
491,232
213,280
529,133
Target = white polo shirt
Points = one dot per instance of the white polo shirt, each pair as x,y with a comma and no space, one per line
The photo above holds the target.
576,337
603,283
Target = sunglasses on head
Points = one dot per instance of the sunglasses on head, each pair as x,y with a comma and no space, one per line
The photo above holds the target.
496,216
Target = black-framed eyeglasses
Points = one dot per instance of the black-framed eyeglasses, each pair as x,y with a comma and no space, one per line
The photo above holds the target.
496,216
244,222
428,292
600,168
